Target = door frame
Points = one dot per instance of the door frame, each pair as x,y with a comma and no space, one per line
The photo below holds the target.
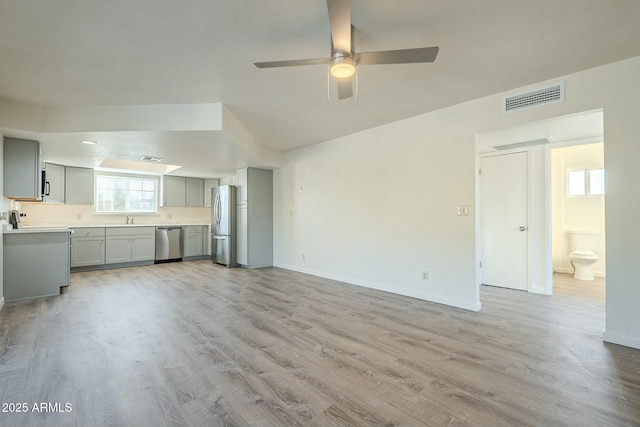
539,260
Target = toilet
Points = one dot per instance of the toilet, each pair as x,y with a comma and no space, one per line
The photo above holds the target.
584,252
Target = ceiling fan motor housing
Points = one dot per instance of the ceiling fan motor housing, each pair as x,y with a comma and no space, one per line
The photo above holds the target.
342,65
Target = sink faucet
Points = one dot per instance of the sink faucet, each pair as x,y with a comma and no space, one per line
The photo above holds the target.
129,220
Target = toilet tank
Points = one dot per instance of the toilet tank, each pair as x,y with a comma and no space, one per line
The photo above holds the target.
584,240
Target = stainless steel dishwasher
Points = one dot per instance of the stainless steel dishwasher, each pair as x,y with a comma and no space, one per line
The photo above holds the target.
169,244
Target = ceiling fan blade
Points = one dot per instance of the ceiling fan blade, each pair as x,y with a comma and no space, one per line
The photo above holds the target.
402,56
345,88
340,22
292,63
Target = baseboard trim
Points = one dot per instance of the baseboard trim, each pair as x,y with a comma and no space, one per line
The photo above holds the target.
621,339
380,287
570,271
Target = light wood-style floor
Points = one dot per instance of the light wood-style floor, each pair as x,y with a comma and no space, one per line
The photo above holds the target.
195,344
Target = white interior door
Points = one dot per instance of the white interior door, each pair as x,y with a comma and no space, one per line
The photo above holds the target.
504,230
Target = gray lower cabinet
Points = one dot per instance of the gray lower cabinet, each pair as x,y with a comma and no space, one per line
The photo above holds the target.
35,264
143,247
87,247
194,240
129,244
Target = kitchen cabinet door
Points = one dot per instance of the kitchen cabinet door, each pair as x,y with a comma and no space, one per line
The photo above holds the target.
35,264
208,185
255,219
173,191
242,255
86,251
193,240
55,183
143,247
194,192
79,189
22,169
118,249
241,192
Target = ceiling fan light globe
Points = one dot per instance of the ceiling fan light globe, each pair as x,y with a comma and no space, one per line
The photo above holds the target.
342,67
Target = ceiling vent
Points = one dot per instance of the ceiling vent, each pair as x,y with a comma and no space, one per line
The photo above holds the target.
536,98
521,144
150,159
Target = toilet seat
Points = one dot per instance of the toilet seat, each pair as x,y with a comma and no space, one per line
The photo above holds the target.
585,255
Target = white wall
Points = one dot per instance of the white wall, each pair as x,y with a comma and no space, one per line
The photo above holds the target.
378,207
576,213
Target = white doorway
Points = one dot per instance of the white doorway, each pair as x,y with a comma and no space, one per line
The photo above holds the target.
536,139
504,220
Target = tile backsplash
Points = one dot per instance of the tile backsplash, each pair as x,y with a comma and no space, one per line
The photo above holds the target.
50,215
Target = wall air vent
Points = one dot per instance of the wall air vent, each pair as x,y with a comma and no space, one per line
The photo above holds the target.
521,144
545,96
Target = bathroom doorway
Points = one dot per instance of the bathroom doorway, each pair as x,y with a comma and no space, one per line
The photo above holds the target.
549,242
577,201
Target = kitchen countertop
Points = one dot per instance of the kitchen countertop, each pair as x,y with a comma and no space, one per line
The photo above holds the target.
179,224
111,225
58,229
37,230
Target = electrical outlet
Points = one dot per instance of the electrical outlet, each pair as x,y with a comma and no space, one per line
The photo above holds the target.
462,210
425,275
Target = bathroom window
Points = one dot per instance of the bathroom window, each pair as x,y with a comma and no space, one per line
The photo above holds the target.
585,182
126,193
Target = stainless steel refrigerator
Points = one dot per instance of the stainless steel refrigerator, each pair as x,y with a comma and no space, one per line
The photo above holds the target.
223,225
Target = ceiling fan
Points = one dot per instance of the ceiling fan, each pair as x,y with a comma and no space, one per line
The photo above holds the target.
343,60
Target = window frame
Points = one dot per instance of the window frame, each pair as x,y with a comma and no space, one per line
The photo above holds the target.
154,178
587,179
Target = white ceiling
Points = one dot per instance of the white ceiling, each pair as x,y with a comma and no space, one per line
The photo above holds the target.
75,53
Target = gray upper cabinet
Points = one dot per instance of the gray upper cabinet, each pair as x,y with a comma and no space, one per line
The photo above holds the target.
208,185
55,185
179,191
243,179
79,188
173,191
22,169
194,192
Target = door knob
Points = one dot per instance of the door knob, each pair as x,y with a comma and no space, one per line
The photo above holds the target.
523,228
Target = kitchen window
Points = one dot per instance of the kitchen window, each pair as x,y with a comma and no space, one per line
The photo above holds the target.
126,193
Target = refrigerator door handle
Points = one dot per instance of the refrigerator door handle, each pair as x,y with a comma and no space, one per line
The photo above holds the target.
218,210
215,209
